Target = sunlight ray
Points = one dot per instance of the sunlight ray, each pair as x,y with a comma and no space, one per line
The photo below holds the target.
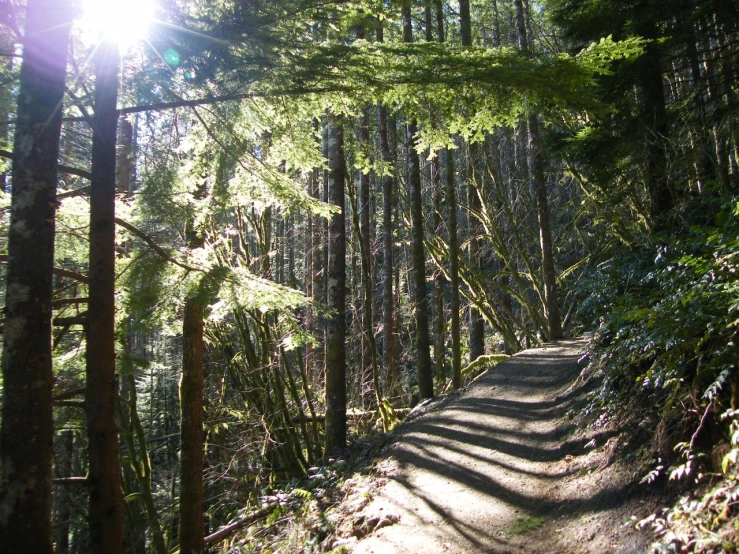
122,21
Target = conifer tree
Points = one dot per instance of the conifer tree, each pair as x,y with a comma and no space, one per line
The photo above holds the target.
105,514
418,257
388,312
336,300
538,181
26,436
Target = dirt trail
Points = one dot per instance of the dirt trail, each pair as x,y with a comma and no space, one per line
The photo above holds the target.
492,470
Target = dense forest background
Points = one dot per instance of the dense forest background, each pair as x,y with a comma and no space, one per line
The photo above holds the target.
268,227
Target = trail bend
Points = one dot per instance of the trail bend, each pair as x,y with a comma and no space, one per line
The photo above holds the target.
499,468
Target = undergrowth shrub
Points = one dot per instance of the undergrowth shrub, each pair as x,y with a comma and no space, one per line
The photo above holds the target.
667,315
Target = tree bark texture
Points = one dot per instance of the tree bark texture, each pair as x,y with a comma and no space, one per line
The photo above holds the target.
418,264
192,386
465,28
27,426
418,257
125,166
336,324
104,480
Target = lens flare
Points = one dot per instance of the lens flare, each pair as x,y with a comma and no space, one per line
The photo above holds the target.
122,21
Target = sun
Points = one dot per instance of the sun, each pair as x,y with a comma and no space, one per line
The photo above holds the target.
122,21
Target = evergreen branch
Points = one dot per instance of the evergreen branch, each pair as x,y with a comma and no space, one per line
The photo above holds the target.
58,271
61,168
194,103
153,245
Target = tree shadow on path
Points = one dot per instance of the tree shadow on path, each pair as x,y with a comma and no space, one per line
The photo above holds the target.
498,450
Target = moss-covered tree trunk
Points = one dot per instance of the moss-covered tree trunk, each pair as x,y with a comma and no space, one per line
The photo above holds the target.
477,323
192,385
104,478
336,298
27,426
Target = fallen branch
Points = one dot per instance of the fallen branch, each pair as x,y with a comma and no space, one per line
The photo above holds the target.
70,481
243,522
70,404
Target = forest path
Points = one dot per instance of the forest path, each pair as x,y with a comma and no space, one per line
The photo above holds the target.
499,468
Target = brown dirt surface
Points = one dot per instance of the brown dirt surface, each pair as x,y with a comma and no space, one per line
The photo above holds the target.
499,467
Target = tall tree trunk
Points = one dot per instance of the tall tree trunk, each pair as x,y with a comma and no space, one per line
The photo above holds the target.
451,200
418,257
438,294
124,166
465,27
539,185
336,324
654,116
388,315
436,201
369,355
104,478
5,108
324,251
450,187
192,385
309,278
62,504
477,323
27,427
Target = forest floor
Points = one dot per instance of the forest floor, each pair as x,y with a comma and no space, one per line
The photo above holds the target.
501,467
